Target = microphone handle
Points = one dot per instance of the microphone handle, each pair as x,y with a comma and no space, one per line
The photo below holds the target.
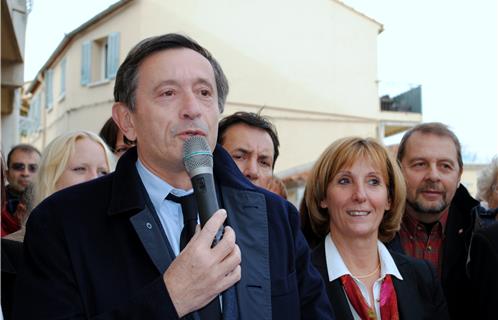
206,199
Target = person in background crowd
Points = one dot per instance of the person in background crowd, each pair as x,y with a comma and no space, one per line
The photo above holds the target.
22,166
482,263
487,191
437,224
275,185
354,200
482,269
252,141
71,158
11,262
114,248
114,138
10,222
11,250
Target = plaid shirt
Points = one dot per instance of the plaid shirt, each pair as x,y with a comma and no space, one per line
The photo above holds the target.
419,244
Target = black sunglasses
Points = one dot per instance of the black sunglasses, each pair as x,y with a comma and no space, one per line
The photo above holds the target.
18,166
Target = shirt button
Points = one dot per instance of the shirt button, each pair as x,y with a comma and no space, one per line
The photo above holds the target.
148,225
429,248
411,237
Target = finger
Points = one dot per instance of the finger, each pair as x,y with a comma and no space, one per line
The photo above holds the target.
211,227
233,259
225,245
235,275
228,264
230,279
196,234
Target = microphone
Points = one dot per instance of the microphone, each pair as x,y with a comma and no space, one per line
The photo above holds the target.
198,162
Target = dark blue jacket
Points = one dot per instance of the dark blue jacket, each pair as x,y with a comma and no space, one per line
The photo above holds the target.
97,250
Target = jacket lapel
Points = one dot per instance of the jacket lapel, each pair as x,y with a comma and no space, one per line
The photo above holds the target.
339,302
409,305
130,198
247,215
458,232
153,239
336,294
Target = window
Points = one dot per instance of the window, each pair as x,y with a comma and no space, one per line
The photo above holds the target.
100,59
62,91
31,123
49,97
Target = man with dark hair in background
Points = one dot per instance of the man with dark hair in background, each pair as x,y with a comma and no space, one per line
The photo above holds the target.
437,221
252,141
114,138
112,248
22,167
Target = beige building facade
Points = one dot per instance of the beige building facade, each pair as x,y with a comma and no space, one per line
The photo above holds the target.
13,26
312,68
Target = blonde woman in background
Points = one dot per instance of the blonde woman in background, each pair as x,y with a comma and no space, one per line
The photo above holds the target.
71,158
486,213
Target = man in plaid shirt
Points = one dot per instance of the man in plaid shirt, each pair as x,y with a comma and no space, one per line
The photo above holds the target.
437,222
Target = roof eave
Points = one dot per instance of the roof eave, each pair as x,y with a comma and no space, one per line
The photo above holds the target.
70,36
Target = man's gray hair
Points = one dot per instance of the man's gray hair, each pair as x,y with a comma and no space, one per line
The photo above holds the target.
127,76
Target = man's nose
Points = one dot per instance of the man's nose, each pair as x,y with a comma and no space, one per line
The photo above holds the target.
251,170
190,108
433,173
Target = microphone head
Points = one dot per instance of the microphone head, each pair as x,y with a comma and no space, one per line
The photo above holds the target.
197,156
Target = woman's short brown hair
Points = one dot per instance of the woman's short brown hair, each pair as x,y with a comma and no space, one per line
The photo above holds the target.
343,153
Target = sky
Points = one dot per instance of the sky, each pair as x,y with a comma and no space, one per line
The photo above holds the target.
450,48
447,46
48,22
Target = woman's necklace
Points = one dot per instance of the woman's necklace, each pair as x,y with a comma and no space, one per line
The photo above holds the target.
370,274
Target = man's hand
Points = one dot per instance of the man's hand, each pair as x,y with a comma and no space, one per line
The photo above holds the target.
199,273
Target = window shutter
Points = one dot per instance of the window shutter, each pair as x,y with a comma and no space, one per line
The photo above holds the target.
49,98
112,55
34,112
63,77
86,55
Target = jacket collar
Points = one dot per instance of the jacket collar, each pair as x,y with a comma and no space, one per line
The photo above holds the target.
124,194
460,208
227,173
126,198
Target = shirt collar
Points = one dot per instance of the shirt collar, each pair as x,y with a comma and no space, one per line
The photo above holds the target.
156,187
337,268
411,224
387,264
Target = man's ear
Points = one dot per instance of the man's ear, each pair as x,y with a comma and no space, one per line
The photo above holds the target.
122,115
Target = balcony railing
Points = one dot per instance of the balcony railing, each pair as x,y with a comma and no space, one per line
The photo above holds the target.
409,101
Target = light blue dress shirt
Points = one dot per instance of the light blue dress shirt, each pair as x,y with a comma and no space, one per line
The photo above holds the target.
169,212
